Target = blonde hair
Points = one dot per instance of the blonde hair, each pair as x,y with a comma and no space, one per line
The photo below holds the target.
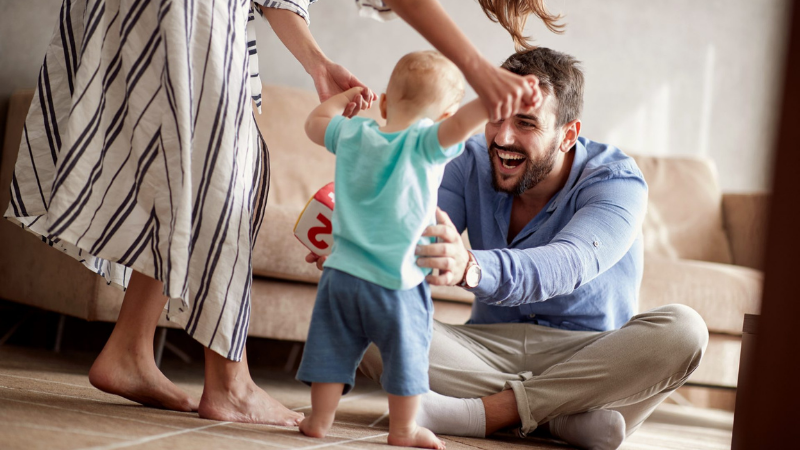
426,78
512,15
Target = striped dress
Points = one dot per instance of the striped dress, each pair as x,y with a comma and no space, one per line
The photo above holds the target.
140,152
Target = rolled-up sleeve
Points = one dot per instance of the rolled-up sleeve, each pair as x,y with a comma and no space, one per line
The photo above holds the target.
299,7
608,220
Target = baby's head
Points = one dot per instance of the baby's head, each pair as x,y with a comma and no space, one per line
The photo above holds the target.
424,83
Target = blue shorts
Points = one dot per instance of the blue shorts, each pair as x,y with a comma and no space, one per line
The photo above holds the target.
349,314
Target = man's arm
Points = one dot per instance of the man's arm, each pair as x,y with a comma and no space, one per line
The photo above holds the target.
463,124
320,117
601,232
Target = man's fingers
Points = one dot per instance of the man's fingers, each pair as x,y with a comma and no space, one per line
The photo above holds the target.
441,263
441,249
443,218
443,279
447,233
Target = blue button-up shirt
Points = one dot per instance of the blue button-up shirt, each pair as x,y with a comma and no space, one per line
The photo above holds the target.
577,264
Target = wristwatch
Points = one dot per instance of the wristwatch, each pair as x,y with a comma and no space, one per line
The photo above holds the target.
472,274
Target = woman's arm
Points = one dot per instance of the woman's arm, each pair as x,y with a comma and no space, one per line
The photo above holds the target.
503,93
329,77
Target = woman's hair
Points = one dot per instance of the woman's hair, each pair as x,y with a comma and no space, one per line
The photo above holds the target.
512,15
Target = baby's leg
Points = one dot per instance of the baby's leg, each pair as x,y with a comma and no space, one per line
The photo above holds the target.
403,429
324,400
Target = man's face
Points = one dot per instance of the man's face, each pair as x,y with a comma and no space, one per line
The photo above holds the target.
523,148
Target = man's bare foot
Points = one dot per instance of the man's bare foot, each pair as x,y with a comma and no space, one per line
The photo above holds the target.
137,378
246,403
314,426
417,437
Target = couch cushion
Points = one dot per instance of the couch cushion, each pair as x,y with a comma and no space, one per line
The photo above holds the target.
721,293
684,213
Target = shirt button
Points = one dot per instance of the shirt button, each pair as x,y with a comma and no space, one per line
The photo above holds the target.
596,244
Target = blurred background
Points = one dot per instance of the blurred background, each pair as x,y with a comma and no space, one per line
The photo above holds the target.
675,77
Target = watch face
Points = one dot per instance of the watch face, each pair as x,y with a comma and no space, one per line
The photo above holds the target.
473,276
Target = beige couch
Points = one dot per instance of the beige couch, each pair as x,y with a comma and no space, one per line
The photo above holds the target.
702,247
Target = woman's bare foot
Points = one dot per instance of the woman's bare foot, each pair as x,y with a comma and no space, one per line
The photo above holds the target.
416,437
126,366
246,403
231,395
137,378
314,426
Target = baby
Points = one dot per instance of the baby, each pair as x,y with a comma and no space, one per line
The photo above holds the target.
371,290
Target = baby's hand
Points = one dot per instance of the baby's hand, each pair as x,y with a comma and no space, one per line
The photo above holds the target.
313,258
356,101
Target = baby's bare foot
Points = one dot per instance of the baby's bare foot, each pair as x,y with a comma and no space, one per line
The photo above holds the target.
313,426
417,437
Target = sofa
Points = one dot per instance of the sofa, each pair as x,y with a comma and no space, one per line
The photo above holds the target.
702,247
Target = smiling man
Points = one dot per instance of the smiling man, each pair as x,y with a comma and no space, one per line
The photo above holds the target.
554,221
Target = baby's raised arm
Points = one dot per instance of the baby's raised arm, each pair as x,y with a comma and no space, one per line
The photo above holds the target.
317,122
463,124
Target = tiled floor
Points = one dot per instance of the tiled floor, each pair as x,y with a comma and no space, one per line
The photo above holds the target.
46,402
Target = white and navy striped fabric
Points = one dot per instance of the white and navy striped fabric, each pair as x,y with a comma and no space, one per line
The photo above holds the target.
140,152
375,9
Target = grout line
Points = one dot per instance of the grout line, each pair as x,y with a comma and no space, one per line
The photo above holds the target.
65,430
331,444
383,416
237,438
45,381
345,400
156,437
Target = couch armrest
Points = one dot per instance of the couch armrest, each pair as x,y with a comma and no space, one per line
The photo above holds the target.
745,218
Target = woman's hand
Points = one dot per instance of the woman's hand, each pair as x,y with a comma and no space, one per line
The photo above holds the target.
331,78
448,254
504,93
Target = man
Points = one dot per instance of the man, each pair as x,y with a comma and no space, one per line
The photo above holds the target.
554,221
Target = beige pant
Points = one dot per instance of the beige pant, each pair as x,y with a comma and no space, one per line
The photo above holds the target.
558,372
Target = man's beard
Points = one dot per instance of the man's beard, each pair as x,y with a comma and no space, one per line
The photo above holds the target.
535,172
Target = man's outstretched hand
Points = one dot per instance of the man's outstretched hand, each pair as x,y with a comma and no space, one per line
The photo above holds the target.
448,254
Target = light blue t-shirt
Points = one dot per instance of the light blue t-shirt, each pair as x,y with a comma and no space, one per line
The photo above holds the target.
386,195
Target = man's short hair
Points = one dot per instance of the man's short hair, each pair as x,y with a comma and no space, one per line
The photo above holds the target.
559,74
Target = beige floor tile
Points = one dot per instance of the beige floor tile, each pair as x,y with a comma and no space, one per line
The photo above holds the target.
38,411
211,438
285,437
16,436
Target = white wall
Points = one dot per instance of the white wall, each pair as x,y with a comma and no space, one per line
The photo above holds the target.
675,77
670,77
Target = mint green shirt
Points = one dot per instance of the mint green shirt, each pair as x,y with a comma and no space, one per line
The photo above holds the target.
386,194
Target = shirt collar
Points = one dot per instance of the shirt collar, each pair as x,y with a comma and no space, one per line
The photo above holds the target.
574,172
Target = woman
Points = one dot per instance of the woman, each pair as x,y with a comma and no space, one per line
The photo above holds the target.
141,159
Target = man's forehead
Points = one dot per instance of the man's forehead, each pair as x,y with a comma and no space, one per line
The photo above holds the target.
545,113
